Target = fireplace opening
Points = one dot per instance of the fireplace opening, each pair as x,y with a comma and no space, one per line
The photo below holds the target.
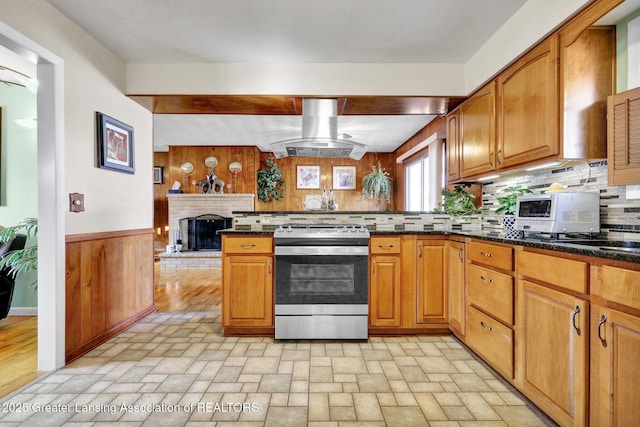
200,232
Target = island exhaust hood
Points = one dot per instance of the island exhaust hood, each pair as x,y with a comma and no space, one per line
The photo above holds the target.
319,134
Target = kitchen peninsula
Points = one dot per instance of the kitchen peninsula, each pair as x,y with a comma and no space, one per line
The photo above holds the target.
532,310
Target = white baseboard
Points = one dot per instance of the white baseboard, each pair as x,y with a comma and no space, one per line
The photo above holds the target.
23,311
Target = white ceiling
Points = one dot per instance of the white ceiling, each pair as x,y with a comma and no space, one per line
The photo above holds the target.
288,31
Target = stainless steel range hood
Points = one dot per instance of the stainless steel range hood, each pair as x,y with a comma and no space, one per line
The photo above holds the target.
319,134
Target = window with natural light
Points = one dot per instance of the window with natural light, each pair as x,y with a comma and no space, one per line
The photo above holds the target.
417,182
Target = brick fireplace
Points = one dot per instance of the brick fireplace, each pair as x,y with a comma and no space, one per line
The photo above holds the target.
194,205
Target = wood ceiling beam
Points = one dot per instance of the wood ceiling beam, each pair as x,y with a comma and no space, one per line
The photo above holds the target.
292,105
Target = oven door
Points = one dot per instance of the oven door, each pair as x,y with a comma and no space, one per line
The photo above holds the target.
321,275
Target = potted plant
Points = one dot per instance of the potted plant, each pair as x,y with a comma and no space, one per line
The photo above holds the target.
458,201
377,183
270,182
507,206
21,260
15,258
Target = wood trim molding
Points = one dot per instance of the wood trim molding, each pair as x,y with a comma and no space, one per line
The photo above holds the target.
72,238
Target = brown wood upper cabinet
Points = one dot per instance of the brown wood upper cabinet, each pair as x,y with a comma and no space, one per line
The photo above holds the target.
549,104
453,146
527,107
477,132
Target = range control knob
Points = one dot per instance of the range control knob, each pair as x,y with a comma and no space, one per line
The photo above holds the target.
362,229
289,229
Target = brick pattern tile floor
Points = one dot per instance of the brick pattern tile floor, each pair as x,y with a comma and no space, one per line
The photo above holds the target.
175,369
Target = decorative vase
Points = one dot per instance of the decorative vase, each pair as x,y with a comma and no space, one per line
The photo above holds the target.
510,231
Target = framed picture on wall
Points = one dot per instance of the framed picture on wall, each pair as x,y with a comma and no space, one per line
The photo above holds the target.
158,175
115,144
308,177
344,177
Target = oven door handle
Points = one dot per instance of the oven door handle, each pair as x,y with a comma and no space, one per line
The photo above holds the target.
321,250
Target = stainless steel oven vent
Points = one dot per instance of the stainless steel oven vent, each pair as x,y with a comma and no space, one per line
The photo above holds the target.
319,134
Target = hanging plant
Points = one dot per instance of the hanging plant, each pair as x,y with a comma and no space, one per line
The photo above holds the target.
377,183
270,182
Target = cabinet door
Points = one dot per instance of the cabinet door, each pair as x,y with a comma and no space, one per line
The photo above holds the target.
623,138
615,351
432,298
527,107
384,295
456,285
247,287
453,146
553,337
478,132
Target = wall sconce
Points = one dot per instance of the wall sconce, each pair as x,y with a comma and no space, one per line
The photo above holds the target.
235,168
187,168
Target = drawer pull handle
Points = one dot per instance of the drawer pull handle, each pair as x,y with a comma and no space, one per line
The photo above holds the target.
603,319
488,328
244,246
374,268
420,254
491,159
269,267
460,254
385,246
575,313
487,279
486,255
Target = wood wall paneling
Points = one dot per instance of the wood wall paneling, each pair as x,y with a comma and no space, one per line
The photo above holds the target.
160,202
347,200
109,286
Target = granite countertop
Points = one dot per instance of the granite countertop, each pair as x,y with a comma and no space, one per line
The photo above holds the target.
593,251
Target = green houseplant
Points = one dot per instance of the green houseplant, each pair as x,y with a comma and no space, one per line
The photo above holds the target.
22,260
458,201
507,203
507,206
270,182
377,183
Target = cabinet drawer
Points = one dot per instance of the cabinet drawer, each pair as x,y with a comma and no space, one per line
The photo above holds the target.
491,255
385,245
565,273
619,285
247,245
491,291
491,339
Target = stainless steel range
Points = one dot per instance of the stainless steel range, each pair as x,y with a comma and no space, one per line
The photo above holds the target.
322,281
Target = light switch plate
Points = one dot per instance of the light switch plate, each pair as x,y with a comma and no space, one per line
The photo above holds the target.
76,202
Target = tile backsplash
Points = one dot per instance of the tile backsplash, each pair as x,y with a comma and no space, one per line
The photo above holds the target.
619,217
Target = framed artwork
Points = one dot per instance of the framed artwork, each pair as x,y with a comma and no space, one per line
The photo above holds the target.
307,177
115,144
158,176
344,177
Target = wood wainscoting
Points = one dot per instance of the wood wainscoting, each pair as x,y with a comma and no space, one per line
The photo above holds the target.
109,286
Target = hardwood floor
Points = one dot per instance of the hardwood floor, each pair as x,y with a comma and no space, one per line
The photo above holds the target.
175,290
188,289
18,352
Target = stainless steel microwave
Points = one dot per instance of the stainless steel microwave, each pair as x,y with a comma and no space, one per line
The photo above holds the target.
559,212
